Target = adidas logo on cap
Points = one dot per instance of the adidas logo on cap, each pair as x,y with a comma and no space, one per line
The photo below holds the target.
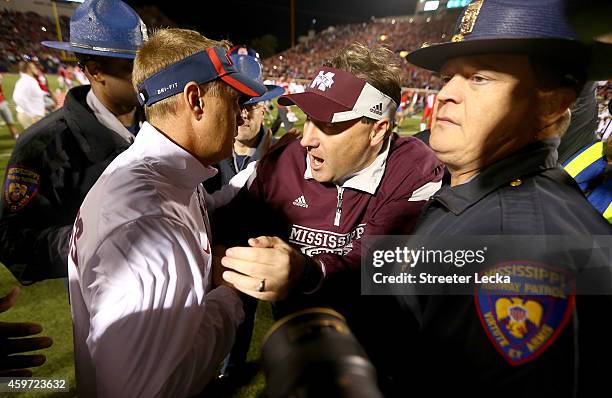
377,109
301,202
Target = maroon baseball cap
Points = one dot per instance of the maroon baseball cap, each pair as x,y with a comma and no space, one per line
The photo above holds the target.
335,95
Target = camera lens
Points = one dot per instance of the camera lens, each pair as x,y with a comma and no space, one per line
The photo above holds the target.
312,353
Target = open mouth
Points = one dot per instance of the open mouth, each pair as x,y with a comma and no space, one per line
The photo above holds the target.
316,163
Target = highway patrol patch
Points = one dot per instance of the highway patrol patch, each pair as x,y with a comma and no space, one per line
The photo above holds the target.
20,187
523,318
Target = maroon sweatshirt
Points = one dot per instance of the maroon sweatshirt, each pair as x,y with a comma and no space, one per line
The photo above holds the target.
326,220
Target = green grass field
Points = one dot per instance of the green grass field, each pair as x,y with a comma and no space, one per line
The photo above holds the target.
47,302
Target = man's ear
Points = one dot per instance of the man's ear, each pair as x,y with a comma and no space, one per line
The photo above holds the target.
192,99
93,71
552,105
379,131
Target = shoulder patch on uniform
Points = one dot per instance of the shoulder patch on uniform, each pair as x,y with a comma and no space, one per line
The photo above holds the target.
522,319
20,187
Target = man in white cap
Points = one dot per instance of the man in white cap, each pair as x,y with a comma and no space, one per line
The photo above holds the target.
309,203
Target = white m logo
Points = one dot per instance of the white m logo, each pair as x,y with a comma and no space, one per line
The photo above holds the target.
324,81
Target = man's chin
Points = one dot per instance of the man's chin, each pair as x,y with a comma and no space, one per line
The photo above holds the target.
242,132
321,176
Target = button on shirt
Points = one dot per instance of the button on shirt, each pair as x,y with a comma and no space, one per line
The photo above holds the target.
147,322
29,97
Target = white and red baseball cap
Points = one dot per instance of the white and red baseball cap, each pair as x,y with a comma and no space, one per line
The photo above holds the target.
335,95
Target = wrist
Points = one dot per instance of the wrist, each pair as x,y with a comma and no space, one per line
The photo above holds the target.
312,276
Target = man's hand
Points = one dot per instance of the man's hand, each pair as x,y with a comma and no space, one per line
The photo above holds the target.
16,365
268,259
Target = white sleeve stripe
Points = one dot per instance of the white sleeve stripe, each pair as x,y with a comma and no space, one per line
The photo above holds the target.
425,192
252,176
228,192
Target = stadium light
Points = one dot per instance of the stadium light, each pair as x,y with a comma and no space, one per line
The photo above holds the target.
457,3
431,5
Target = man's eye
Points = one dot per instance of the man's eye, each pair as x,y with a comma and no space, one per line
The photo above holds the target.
445,78
479,79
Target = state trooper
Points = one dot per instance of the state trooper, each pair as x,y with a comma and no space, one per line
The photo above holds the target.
510,73
58,159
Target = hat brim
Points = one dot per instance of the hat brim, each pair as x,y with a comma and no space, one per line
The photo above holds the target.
244,84
435,56
273,92
316,106
62,45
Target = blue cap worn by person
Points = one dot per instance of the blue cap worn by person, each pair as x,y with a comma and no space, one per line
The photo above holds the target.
202,67
248,62
538,27
108,28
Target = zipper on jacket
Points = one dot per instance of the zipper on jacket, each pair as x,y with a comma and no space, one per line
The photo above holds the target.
339,206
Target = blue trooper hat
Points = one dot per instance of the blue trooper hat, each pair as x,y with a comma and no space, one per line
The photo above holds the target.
507,26
108,28
247,61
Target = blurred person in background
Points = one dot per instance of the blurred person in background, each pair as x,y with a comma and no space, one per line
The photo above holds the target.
28,96
5,112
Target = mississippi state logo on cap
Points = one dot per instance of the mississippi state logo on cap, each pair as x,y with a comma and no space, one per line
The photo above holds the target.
323,81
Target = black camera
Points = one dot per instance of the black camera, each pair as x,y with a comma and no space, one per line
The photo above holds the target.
312,353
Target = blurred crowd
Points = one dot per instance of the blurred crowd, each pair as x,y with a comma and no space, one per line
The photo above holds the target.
21,36
399,34
604,96
23,32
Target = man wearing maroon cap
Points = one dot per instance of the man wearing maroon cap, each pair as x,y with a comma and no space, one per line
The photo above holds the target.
310,202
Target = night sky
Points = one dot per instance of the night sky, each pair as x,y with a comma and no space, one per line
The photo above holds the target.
243,20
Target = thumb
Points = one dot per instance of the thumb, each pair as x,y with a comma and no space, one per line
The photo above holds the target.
264,241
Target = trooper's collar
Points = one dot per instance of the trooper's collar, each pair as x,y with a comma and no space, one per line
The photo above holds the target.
533,158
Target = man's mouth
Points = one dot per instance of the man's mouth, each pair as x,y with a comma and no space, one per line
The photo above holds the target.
316,163
446,120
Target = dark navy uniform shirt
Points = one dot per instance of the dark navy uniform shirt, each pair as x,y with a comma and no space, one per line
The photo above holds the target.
466,347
